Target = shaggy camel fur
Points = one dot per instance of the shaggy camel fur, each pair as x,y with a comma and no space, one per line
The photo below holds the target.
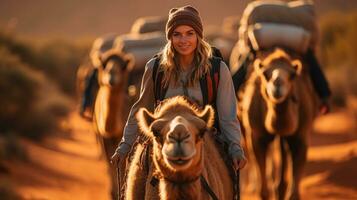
278,100
111,104
183,150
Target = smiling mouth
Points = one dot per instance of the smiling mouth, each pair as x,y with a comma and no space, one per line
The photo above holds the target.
184,47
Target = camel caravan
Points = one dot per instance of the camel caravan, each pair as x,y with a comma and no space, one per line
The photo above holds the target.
276,107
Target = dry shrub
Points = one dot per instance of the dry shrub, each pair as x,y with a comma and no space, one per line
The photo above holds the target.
30,103
338,54
22,49
342,83
17,89
57,58
7,192
10,148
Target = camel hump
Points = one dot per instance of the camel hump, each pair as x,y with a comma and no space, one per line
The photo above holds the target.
149,24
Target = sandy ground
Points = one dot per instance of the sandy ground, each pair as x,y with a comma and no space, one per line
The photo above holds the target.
67,167
64,167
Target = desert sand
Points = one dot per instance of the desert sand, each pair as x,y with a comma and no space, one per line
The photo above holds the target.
68,166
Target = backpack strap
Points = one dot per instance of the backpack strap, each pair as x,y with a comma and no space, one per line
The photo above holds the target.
157,76
216,66
209,87
209,83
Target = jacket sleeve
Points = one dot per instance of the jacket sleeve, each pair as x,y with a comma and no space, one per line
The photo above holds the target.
227,112
146,99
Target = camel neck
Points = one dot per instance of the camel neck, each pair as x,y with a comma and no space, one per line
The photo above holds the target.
177,191
282,118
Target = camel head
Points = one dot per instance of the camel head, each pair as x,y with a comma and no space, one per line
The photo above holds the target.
114,68
277,72
111,100
177,129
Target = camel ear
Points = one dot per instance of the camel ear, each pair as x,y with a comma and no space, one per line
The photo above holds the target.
297,65
258,66
207,115
129,61
96,59
145,119
101,62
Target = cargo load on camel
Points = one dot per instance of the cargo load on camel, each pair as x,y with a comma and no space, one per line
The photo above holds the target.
141,46
148,25
269,24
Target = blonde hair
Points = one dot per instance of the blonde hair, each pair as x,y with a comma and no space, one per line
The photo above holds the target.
170,62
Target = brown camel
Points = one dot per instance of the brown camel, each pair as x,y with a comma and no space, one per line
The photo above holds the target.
89,65
112,104
278,101
183,150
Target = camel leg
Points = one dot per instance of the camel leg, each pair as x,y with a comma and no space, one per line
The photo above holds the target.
261,144
298,149
109,146
284,170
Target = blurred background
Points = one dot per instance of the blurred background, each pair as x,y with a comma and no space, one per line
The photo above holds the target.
48,152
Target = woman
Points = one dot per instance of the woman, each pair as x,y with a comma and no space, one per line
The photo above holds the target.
184,60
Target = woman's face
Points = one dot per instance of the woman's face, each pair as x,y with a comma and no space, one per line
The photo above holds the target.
184,40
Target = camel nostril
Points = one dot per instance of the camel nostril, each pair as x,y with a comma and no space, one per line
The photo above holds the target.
179,137
111,81
277,93
277,82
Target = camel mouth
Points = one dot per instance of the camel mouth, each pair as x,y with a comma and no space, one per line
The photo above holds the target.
177,158
179,161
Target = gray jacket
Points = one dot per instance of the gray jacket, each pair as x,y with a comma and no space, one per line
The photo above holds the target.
226,108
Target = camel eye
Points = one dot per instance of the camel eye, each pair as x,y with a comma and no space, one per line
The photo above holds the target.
266,74
158,136
202,132
292,76
156,133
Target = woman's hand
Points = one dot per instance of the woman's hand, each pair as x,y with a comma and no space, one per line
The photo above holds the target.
115,159
120,153
239,162
237,155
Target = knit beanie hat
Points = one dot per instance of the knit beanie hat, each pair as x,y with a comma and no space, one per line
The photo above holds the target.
186,15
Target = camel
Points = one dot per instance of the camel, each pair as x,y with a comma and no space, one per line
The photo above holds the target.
183,149
89,64
278,101
112,104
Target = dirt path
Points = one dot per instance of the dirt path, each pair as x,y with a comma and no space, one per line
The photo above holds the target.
67,167
64,167
331,172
